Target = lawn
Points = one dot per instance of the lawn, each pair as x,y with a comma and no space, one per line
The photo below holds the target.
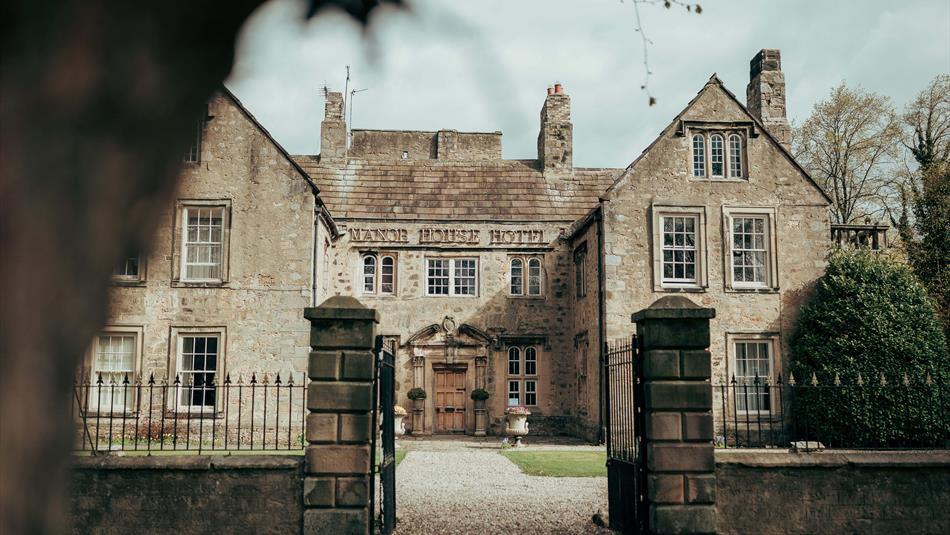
560,463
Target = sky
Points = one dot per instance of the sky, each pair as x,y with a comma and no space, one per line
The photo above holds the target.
485,65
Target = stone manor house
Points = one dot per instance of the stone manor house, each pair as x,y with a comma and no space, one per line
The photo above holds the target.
507,275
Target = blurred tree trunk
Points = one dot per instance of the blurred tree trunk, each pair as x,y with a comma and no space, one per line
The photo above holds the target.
97,98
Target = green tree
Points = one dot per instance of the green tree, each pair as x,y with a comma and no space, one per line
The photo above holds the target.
871,316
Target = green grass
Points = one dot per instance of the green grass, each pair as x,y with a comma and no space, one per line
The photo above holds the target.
400,455
560,463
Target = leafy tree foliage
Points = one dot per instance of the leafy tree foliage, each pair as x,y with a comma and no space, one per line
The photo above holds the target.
870,316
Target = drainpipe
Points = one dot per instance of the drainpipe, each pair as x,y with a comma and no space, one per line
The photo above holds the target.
601,324
313,256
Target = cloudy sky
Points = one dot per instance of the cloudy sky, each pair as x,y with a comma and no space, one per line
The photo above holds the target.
485,65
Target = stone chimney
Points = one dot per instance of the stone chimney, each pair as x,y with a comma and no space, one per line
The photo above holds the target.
765,95
556,138
333,128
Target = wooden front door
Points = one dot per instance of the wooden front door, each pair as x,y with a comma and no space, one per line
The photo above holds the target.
449,401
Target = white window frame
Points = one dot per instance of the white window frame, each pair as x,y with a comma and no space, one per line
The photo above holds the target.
705,159
771,263
452,260
701,277
178,335
131,405
379,259
525,276
179,277
773,347
522,377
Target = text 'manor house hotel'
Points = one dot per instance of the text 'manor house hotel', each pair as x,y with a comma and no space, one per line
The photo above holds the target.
506,275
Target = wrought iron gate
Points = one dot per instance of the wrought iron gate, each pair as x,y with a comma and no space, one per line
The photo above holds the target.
383,502
626,464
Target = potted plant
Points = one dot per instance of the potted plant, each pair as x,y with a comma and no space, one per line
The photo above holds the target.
479,395
517,416
398,414
417,395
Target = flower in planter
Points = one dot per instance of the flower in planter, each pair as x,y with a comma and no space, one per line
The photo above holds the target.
518,410
399,411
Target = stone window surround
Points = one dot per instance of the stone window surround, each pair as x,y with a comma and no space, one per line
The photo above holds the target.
772,284
137,280
775,366
525,258
87,366
452,258
176,332
580,271
522,377
379,255
702,278
707,130
178,243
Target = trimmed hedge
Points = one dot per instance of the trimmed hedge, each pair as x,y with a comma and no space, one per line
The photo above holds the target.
870,316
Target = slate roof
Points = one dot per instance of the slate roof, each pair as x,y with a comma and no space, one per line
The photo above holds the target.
494,190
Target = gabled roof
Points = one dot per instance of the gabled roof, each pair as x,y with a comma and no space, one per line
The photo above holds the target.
714,81
485,190
250,117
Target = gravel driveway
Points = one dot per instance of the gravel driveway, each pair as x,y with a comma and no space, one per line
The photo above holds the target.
469,487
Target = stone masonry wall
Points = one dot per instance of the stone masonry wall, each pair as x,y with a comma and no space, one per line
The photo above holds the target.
269,258
662,177
586,332
420,145
162,494
832,493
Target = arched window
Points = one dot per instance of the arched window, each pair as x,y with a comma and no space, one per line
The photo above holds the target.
534,276
369,274
716,161
514,361
735,156
517,276
699,155
530,361
387,275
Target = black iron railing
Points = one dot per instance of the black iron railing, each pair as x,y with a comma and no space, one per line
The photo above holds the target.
756,412
262,412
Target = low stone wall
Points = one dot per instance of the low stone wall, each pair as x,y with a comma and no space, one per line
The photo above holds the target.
193,494
767,491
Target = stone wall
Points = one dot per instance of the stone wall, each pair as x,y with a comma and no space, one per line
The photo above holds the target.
587,334
769,492
420,145
210,494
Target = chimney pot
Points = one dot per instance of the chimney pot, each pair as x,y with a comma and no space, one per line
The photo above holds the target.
558,89
550,90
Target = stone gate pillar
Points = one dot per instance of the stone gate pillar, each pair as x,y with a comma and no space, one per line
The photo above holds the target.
681,482
338,431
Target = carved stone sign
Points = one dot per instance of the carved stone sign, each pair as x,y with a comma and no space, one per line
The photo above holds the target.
379,235
504,236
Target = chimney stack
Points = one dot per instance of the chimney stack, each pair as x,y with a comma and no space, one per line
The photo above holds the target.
765,94
333,128
555,140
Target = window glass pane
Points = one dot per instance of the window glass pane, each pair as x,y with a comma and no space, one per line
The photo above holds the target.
514,393
699,155
749,250
114,365
530,361
369,274
517,277
127,268
203,242
534,276
197,369
530,392
679,248
387,275
437,276
716,155
465,274
735,156
753,369
514,361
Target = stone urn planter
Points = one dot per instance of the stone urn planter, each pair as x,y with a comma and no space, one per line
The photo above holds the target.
517,427
398,425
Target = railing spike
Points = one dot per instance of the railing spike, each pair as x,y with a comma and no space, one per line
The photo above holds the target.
860,379
253,378
290,382
733,379
837,379
125,379
929,381
906,380
779,380
99,380
791,378
814,379
227,379
112,379
177,379
755,380
883,380
277,381
151,378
